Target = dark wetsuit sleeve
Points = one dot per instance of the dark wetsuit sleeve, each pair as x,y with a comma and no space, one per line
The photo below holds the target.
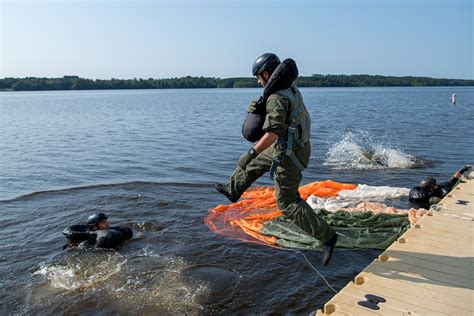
445,187
451,183
277,110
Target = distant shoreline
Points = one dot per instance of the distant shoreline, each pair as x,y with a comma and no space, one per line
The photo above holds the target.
124,89
188,82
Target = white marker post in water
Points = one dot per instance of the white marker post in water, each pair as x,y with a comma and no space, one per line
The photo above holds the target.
453,99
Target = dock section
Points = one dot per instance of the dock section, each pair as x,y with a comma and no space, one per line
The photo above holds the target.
429,270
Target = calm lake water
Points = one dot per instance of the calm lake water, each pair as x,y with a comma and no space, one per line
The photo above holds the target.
149,158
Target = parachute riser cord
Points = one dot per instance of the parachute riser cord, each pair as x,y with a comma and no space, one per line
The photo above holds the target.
309,263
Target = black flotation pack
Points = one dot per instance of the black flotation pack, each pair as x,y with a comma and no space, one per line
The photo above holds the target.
282,78
76,234
108,238
419,195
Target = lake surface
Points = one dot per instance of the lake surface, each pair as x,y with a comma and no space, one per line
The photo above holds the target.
148,158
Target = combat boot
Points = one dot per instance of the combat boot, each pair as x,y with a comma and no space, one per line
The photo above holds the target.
328,248
222,189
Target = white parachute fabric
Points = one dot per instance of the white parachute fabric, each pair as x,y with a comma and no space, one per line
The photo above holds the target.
329,204
366,198
365,192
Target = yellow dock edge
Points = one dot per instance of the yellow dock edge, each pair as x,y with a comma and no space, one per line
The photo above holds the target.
429,270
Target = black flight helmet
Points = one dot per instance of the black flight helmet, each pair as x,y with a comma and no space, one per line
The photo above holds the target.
428,183
267,61
94,219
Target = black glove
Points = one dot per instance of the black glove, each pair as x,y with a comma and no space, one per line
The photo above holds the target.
246,158
465,168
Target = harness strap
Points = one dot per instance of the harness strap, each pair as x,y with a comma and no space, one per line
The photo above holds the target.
291,139
276,161
293,134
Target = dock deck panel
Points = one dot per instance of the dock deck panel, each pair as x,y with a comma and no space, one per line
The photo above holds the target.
429,270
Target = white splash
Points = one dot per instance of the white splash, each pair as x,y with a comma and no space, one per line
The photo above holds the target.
360,151
76,275
142,277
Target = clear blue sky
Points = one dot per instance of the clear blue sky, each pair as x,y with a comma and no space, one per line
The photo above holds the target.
162,39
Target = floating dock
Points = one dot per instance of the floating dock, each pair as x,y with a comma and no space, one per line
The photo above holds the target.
429,270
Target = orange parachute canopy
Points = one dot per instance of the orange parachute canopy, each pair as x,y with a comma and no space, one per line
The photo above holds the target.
246,218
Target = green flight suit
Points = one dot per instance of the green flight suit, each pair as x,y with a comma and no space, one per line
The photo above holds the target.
288,175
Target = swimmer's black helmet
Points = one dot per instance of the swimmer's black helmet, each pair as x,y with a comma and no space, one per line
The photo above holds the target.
94,219
267,61
428,183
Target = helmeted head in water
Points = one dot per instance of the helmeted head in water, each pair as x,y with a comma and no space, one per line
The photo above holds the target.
98,221
428,184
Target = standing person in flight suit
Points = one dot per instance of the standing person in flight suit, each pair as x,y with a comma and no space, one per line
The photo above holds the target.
284,150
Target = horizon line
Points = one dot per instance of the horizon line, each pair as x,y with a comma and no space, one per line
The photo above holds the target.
197,76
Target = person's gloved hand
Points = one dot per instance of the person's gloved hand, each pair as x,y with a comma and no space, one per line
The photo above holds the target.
252,106
246,158
465,168
255,105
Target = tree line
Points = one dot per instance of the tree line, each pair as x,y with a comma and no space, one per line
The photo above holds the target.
316,80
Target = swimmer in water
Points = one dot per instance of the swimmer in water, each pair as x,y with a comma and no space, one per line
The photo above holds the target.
96,233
